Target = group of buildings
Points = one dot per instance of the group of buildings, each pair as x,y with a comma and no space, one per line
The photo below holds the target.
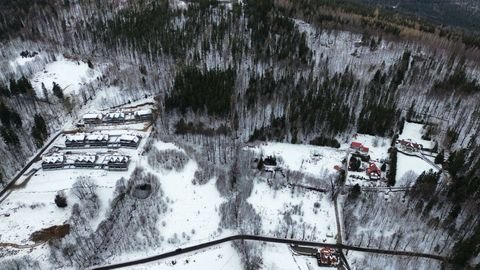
408,145
327,257
360,157
117,117
85,140
110,162
58,159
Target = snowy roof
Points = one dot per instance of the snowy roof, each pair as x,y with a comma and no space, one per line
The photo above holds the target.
130,138
117,159
116,115
144,112
77,137
85,158
55,158
97,137
92,116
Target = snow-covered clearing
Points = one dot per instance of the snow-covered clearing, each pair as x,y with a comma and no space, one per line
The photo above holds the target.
70,75
414,132
309,159
300,214
409,167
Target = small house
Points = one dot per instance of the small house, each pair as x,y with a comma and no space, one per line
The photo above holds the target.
373,171
327,257
92,118
356,146
364,149
408,145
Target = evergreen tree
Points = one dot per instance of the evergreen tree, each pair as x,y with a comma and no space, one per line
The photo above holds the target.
440,158
9,136
45,91
57,90
39,130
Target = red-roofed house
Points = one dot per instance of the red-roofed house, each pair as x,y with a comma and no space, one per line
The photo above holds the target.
373,171
364,149
356,145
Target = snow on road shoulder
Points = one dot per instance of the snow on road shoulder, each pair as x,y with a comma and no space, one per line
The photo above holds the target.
219,257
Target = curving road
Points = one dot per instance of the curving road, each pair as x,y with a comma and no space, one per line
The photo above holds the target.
271,240
32,160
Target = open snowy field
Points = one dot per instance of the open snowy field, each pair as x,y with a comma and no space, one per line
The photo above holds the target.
70,75
409,168
298,214
414,132
309,159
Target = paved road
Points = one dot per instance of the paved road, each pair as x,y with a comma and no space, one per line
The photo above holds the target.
32,160
271,240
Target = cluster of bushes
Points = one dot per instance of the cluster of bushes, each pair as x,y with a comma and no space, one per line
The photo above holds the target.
167,159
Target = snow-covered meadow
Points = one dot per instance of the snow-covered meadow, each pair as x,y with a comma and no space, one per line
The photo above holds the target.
71,75
297,212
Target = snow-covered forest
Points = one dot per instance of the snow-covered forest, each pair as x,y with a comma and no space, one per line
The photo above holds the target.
225,76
